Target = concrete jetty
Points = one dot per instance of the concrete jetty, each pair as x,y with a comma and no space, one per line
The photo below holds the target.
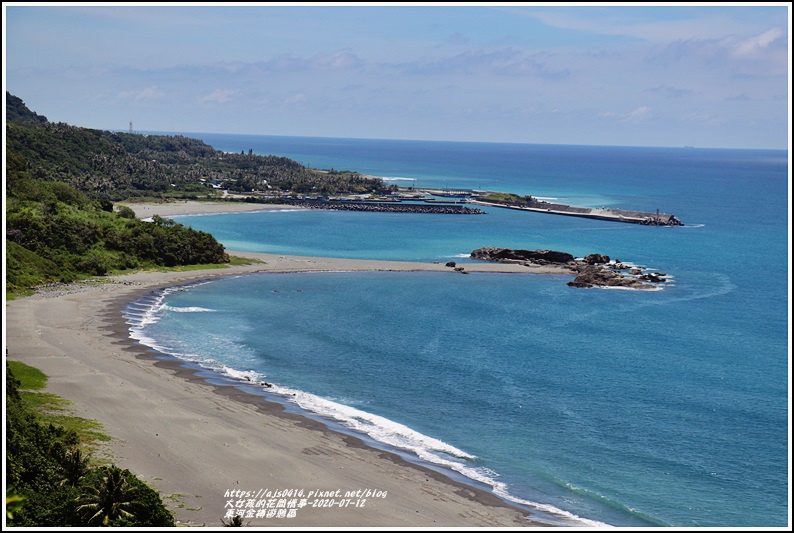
529,203
613,215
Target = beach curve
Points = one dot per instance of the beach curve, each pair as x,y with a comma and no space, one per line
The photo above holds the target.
204,445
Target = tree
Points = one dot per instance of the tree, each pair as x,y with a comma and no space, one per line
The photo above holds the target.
111,498
75,466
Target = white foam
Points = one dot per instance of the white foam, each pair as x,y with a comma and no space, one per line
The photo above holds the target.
643,289
397,178
246,375
188,309
423,446
149,311
254,211
379,428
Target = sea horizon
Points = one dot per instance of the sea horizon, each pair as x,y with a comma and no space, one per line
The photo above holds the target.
200,135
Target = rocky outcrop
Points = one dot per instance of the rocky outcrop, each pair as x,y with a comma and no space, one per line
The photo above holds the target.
594,270
596,276
601,276
596,259
507,255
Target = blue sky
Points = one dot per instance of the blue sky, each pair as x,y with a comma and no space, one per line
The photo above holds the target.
644,75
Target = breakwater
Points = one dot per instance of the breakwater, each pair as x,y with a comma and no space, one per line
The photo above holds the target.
385,207
612,215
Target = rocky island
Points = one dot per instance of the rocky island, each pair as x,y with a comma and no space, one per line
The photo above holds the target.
594,270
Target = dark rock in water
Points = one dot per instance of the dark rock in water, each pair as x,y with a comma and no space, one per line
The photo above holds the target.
596,276
451,264
507,255
596,259
653,278
594,270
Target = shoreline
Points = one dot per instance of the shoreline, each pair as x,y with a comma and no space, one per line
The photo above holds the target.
195,439
144,210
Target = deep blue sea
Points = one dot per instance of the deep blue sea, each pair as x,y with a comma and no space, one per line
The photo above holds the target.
589,406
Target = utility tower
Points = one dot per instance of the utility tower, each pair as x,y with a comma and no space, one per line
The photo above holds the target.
130,126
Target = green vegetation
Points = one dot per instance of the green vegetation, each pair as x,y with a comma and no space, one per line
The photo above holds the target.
509,198
55,233
30,378
236,260
51,408
62,180
120,166
50,478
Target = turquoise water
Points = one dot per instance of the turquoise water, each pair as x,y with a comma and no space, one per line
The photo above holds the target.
589,406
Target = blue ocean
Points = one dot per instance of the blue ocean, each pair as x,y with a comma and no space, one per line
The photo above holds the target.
587,406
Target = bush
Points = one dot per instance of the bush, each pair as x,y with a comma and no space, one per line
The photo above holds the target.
125,212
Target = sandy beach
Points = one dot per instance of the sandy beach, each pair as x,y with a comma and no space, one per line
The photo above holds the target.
193,207
207,447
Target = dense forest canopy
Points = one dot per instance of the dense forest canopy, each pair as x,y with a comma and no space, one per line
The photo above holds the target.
57,231
122,166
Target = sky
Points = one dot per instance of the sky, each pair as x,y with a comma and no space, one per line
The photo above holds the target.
623,75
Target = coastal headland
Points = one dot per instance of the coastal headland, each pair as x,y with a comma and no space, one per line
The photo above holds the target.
210,446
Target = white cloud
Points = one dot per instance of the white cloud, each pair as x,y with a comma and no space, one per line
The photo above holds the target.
498,62
150,93
758,44
641,113
669,91
636,115
702,118
219,96
682,23
342,59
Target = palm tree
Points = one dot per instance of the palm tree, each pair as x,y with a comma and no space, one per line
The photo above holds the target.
75,466
110,498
